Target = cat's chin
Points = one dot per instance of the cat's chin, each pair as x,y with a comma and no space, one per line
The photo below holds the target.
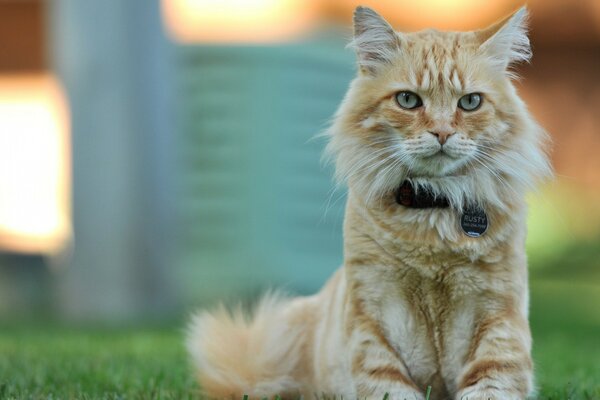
437,166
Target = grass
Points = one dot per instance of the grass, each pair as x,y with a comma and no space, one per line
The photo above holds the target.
565,324
61,363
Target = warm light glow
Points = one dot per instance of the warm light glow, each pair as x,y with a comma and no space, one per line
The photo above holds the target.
34,164
240,21
253,21
410,15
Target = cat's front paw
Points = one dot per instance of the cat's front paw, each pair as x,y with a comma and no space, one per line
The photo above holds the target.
487,394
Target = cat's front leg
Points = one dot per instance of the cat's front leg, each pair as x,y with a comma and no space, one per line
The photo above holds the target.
499,365
377,371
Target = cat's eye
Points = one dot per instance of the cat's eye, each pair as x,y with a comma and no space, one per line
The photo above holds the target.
408,100
470,102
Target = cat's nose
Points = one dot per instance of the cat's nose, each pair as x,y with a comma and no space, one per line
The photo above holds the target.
442,135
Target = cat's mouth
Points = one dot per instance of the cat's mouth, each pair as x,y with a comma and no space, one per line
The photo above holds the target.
442,153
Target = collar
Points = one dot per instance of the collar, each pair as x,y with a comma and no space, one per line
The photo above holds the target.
408,197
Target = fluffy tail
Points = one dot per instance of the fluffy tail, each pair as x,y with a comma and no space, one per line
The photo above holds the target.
236,355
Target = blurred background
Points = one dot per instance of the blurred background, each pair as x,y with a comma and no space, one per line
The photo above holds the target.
156,156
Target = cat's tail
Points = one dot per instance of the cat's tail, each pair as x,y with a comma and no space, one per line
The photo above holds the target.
237,354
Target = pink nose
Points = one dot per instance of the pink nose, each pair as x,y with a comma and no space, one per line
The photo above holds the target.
442,136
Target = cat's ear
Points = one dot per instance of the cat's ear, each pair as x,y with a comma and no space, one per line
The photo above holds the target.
506,41
375,41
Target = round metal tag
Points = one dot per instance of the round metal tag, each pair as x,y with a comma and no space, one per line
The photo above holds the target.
474,222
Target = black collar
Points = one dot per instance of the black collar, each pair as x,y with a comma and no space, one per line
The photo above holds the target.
408,197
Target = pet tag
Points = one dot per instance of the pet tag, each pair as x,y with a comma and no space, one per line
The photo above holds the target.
474,222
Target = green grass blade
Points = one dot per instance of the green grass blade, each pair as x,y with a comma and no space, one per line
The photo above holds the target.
428,393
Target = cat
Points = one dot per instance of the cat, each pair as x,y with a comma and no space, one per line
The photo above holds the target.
438,152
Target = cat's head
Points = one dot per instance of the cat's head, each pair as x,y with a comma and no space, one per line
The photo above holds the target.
438,108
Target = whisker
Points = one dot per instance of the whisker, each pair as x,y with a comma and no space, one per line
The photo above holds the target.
500,178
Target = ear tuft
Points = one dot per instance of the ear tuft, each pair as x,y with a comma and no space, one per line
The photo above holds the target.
375,41
506,42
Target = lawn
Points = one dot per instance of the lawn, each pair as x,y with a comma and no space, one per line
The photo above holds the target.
61,363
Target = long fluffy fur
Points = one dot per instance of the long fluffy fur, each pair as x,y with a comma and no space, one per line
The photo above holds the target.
417,302
238,353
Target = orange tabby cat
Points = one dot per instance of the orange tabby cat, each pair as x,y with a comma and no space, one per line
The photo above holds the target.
438,151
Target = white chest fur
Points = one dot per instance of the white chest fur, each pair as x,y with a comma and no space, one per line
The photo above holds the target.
430,324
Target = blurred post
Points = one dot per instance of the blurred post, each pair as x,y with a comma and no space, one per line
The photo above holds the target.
113,60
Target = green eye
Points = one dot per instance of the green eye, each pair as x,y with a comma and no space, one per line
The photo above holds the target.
408,100
470,102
